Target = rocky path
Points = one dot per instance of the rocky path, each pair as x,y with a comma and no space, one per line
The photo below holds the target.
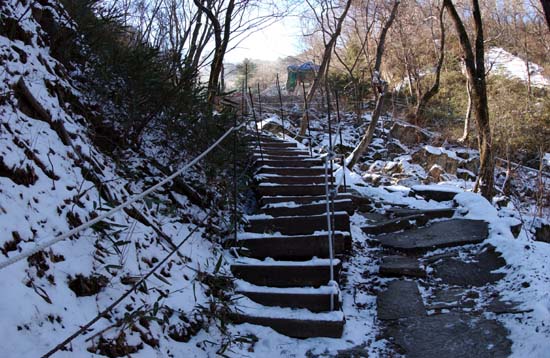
439,300
433,278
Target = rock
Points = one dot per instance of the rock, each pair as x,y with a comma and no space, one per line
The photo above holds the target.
451,297
392,225
451,161
448,233
542,233
401,299
434,192
429,156
455,335
401,266
499,306
87,285
435,173
465,174
408,181
395,148
408,134
428,213
476,271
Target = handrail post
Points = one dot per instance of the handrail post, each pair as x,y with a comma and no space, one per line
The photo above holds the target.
329,229
259,100
341,141
235,194
281,105
306,113
256,125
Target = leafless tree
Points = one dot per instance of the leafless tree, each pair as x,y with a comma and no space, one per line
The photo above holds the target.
474,61
424,98
379,86
329,23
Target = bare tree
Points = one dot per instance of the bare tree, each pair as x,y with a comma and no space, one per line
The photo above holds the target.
424,98
233,21
355,38
379,86
475,71
330,25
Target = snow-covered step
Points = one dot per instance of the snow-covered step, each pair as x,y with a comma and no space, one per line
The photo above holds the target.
295,157
297,225
280,152
314,272
269,189
291,170
298,323
301,199
286,179
393,225
295,247
277,144
285,163
315,299
428,213
308,209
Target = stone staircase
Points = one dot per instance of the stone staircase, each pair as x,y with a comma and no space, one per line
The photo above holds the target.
283,270
447,257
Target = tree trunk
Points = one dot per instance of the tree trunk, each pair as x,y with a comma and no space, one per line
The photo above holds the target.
221,37
466,132
546,9
475,70
423,100
367,137
323,68
378,83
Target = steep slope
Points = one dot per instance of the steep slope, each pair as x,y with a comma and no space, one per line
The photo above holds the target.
53,178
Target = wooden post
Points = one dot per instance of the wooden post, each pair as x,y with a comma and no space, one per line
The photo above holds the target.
340,134
256,125
306,114
259,100
235,193
281,105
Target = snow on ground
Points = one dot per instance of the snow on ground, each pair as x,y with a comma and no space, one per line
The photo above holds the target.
50,184
502,62
527,279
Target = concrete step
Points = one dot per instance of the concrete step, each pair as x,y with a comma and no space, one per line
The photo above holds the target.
286,209
297,225
292,171
277,144
290,190
313,299
279,179
294,157
296,247
314,273
286,163
296,323
286,152
303,199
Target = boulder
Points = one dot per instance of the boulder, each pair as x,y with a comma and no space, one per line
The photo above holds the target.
451,162
542,232
435,173
408,134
